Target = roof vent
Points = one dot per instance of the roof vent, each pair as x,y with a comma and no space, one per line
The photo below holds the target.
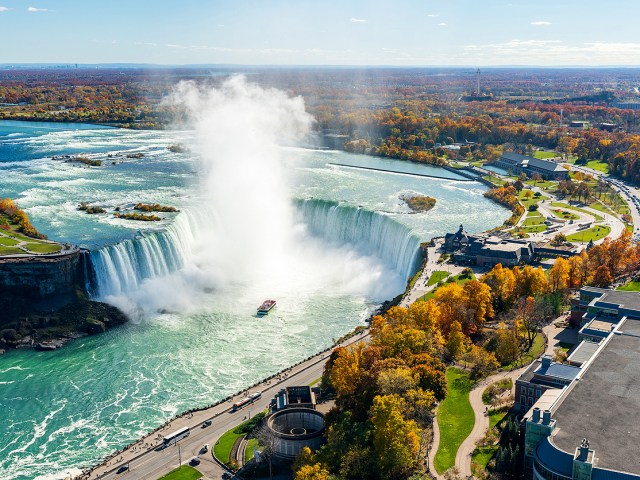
546,417
546,361
536,415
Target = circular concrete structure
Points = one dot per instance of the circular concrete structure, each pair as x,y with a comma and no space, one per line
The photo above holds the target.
294,429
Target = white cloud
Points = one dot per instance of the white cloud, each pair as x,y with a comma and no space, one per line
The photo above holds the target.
34,9
433,15
357,20
442,24
4,9
175,45
149,44
538,23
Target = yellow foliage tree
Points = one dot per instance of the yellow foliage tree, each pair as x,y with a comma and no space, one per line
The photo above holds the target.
316,471
395,439
559,275
345,370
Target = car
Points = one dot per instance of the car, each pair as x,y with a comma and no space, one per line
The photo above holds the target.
206,423
205,448
122,469
194,461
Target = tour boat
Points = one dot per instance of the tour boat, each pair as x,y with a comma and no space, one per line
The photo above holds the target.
266,307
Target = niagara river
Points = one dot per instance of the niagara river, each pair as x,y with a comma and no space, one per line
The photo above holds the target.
330,243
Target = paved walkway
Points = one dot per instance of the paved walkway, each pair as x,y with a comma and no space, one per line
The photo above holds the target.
481,425
420,288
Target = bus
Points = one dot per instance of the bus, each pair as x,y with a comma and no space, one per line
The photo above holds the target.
176,436
246,400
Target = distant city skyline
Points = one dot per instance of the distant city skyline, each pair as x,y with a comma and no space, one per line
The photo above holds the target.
288,32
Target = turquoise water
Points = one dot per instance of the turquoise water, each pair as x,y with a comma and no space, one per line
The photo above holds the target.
196,338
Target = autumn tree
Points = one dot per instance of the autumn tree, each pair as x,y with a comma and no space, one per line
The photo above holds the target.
456,341
396,440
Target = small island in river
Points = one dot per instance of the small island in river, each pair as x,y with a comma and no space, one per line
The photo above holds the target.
419,203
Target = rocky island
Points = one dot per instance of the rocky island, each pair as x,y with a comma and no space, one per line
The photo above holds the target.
419,203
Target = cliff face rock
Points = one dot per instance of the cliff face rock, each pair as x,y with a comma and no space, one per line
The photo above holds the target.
43,299
39,278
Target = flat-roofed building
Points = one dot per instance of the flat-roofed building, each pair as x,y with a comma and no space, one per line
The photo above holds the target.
589,431
517,164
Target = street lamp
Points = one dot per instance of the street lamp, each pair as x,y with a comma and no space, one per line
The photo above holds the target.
179,456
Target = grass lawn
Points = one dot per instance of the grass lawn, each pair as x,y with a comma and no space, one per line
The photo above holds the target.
533,218
456,278
248,453
593,233
43,247
534,228
534,352
564,214
541,154
598,165
565,346
314,382
496,416
9,250
8,242
185,472
482,456
632,286
437,276
455,418
222,448
577,209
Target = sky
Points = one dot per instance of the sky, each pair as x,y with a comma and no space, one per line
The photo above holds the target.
322,32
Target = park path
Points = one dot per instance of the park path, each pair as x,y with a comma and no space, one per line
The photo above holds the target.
481,425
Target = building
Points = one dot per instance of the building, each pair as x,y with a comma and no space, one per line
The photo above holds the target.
516,163
587,428
541,376
296,397
488,250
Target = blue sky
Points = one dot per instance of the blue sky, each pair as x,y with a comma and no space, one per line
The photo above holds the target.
322,32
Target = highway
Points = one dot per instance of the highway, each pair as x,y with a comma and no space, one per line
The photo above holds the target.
152,463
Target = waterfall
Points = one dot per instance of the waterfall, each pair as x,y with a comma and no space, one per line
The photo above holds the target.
372,233
118,269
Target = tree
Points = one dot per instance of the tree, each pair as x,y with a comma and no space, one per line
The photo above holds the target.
602,277
479,304
527,318
269,442
483,362
507,350
316,471
559,239
502,282
559,275
456,342
345,370
396,441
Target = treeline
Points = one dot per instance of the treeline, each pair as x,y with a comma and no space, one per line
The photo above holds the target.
19,217
507,197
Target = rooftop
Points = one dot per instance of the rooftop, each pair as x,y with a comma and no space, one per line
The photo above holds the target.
583,353
604,403
629,300
558,370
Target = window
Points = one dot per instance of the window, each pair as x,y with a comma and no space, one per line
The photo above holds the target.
530,391
523,390
538,393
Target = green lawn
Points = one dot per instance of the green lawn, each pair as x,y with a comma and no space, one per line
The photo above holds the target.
455,418
496,416
8,242
437,276
43,247
577,209
533,218
9,250
482,456
222,448
248,453
543,155
564,214
456,278
598,165
593,233
185,472
632,286
534,228
314,382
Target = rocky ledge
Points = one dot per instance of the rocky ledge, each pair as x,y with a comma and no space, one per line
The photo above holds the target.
52,329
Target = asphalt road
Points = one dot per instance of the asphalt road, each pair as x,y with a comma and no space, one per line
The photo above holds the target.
149,463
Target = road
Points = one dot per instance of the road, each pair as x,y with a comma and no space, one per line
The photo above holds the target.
630,194
145,462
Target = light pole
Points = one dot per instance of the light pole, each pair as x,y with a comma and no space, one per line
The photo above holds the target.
179,457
